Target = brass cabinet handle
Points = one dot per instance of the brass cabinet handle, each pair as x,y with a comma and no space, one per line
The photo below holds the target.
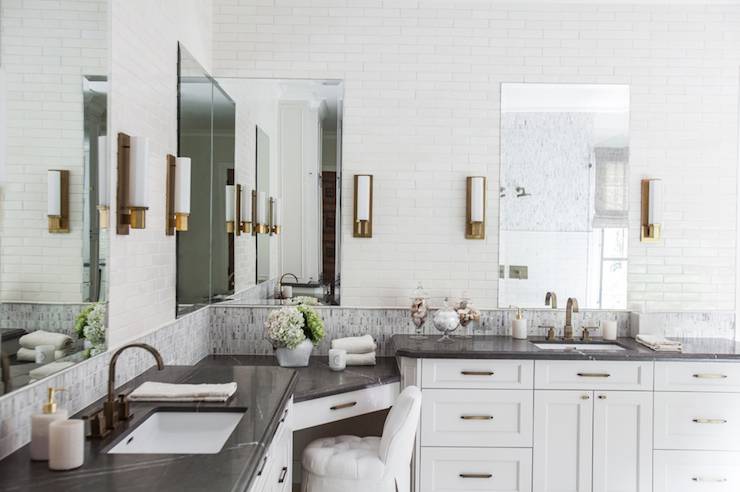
283,473
476,373
602,397
285,415
262,468
709,375
710,421
476,475
476,417
594,374
344,405
585,397
715,480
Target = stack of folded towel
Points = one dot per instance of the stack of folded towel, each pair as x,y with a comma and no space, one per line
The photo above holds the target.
152,391
360,350
659,344
61,343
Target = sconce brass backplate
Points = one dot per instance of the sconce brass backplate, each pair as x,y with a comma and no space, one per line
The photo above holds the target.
362,228
123,213
171,163
649,233
59,224
474,230
238,211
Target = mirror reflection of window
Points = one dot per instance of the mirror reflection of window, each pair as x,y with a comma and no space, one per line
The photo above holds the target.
564,193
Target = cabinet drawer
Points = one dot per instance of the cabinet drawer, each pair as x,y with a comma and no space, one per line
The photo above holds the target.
696,471
697,376
495,418
480,374
593,375
708,421
470,469
337,407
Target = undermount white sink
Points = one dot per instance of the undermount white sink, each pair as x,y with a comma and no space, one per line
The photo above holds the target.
606,347
167,432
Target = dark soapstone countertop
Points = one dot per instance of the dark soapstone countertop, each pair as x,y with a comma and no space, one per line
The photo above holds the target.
504,347
263,389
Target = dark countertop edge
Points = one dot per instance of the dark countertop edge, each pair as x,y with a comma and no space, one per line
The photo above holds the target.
667,357
390,379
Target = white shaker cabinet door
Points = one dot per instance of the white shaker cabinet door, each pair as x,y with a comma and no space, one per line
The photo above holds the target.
622,454
563,425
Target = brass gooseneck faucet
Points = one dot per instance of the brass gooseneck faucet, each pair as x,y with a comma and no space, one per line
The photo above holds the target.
570,308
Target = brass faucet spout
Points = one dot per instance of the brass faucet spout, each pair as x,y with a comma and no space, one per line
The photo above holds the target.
570,308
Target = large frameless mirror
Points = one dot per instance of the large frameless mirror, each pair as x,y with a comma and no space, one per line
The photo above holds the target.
564,194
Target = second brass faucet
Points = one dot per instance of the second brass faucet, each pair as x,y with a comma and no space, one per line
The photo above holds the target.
570,308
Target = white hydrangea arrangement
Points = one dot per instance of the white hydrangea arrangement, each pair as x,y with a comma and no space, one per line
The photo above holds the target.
285,327
91,328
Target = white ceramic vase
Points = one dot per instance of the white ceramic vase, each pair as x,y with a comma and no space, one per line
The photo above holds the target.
297,357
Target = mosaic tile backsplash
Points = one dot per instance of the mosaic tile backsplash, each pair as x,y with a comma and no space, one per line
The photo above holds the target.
29,316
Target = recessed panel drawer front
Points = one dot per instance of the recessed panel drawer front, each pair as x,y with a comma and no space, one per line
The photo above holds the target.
473,469
483,418
696,471
593,375
706,421
482,374
697,376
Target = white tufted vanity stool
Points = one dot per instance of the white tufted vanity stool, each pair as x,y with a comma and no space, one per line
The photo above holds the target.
366,464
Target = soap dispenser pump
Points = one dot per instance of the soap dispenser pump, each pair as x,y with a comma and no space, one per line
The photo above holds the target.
519,326
40,425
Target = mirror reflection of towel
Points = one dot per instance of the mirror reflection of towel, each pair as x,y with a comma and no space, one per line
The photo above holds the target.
29,355
40,337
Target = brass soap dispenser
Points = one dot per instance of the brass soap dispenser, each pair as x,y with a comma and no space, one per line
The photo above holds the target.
40,425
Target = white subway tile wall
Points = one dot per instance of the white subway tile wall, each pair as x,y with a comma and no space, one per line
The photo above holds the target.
422,103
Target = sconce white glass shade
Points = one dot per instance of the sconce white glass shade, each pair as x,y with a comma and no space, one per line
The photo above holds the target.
363,197
261,207
138,196
230,203
246,211
54,196
476,199
182,185
103,172
655,201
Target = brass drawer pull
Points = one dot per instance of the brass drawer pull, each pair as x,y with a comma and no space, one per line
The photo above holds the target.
283,473
709,375
476,417
594,374
285,416
344,405
710,421
476,475
476,373
262,468
602,397
714,480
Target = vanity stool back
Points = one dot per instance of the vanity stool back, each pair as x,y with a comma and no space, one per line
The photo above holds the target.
367,464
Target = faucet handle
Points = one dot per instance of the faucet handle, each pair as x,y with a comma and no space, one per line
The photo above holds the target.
586,332
550,331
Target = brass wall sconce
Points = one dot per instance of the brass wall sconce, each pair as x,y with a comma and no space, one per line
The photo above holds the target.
238,209
230,209
260,223
132,196
178,194
475,210
651,210
57,209
103,183
245,210
274,216
363,207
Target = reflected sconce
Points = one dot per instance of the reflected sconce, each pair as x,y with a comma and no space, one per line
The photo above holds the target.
274,216
475,214
260,223
363,219
651,210
178,194
245,199
103,183
230,208
132,199
57,208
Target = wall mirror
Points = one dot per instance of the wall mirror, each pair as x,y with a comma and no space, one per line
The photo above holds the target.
564,194
54,188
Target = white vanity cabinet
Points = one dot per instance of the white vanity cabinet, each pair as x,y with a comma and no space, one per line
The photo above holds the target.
274,473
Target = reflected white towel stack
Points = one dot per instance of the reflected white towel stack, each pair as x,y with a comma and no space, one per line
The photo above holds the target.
360,350
60,341
659,344
152,391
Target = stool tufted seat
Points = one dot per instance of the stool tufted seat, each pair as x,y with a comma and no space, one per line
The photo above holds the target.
366,464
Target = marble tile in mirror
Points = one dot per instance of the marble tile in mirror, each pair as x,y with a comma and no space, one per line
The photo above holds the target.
54,187
564,194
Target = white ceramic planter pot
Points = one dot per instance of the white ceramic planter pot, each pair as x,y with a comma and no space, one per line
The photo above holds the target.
297,357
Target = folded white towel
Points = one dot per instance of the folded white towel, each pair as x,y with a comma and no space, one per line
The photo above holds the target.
48,370
41,337
659,344
355,345
29,355
151,391
361,359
